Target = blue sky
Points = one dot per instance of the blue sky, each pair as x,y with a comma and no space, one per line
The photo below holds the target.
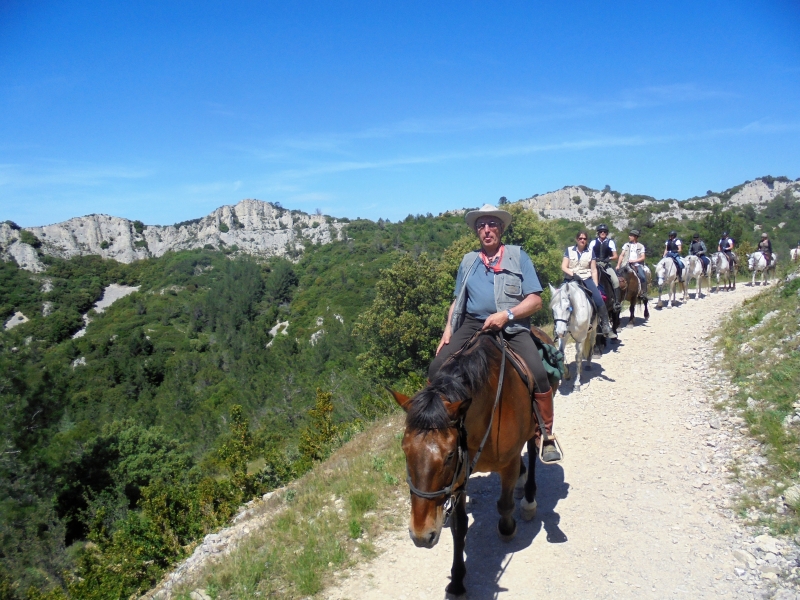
163,111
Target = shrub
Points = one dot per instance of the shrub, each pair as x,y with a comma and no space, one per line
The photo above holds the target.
26,237
592,203
104,245
138,226
223,228
576,199
317,439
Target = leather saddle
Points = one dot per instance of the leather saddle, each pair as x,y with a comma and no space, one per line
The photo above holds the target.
520,366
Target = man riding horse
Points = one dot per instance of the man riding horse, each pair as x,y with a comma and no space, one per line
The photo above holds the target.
726,247
672,249
765,247
698,248
497,288
635,253
604,250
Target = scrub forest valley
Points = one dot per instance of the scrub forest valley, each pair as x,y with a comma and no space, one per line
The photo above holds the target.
155,379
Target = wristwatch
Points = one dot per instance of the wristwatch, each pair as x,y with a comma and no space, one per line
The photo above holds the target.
510,314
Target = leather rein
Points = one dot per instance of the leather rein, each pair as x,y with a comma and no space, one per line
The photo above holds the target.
453,491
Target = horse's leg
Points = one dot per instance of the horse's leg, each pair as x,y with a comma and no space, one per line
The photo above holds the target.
578,364
507,526
522,480
646,311
459,528
562,343
633,307
527,506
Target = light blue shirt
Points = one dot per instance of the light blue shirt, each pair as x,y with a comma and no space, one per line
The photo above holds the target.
480,287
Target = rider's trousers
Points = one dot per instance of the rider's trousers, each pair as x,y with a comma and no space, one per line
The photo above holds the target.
522,343
612,274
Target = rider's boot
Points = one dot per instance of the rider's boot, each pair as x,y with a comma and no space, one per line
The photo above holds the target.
605,326
550,451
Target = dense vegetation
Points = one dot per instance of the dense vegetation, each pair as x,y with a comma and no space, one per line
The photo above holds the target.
122,447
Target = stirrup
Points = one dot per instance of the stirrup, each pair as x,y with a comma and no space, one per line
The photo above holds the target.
554,439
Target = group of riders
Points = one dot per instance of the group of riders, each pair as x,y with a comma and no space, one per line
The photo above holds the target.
497,289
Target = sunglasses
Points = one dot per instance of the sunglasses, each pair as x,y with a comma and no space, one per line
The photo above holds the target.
579,239
489,224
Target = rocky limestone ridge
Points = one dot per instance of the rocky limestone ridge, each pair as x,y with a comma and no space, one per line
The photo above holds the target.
255,227
580,203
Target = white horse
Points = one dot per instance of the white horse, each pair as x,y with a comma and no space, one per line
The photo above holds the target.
757,263
794,253
667,273
572,314
722,267
694,270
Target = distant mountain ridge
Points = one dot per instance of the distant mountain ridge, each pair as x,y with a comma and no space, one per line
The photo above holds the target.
580,203
266,229
253,226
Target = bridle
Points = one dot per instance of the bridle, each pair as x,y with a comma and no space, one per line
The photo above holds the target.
569,310
452,492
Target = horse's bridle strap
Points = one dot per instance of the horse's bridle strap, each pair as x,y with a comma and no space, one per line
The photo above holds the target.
462,434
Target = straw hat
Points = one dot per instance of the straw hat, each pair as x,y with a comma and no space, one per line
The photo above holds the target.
488,210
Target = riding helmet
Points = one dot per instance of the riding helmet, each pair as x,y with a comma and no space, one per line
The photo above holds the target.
696,236
763,235
634,232
673,232
724,234
602,227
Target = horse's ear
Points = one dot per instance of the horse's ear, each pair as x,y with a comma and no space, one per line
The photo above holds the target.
401,399
456,409
552,289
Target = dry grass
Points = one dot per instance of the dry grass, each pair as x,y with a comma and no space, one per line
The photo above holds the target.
322,523
762,357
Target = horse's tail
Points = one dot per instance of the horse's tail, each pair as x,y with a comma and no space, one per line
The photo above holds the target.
588,343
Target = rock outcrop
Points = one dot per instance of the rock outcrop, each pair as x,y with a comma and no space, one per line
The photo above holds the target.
581,203
252,226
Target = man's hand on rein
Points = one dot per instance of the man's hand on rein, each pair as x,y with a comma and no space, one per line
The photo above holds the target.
497,320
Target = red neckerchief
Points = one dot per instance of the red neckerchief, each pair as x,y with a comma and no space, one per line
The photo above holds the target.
497,257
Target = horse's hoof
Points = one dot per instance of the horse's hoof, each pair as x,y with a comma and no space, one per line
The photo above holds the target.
510,536
527,511
455,589
519,488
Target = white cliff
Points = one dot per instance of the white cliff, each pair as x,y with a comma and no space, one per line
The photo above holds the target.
580,203
254,227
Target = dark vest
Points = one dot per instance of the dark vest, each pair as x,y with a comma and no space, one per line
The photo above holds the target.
672,246
601,250
695,247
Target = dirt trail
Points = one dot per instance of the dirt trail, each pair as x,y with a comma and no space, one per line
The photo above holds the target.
636,508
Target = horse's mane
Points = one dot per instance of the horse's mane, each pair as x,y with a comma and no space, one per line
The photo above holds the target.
458,380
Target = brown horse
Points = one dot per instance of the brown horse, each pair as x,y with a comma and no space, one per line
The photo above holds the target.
629,288
460,416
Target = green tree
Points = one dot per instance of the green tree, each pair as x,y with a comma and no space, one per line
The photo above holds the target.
318,437
237,451
406,319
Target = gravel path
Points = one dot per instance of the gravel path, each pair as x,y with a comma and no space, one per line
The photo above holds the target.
639,508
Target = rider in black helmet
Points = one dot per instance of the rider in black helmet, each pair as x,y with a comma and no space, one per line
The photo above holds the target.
604,250
698,248
726,247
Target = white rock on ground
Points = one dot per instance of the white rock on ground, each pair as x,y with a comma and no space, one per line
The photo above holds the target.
16,319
